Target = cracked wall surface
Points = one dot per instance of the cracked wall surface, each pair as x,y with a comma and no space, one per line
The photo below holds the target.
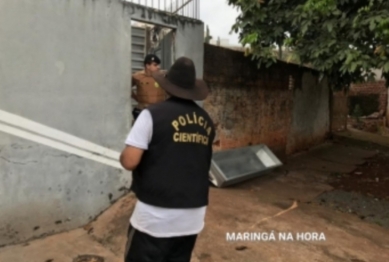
64,65
65,109
284,106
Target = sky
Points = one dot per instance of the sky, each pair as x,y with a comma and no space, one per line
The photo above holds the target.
220,17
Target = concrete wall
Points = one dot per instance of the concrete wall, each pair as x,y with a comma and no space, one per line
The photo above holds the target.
311,113
64,66
269,106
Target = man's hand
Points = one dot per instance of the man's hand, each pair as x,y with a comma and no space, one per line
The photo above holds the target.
130,157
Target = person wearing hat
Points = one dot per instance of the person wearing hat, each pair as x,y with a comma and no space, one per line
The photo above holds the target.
148,90
169,150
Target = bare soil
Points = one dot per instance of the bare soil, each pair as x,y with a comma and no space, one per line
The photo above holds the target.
370,179
363,192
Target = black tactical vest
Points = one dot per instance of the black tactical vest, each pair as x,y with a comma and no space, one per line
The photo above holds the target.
173,172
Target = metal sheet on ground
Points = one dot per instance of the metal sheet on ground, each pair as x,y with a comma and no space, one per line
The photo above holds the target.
237,165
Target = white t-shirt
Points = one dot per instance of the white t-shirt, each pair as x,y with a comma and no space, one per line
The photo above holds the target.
153,220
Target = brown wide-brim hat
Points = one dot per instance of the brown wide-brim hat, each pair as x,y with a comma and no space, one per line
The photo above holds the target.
180,80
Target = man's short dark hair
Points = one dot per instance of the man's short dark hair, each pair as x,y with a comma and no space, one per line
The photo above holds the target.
150,59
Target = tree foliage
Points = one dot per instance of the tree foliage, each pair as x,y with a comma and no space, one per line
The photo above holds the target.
343,39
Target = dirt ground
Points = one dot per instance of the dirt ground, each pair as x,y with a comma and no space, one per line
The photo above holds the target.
364,192
370,179
296,199
309,195
374,126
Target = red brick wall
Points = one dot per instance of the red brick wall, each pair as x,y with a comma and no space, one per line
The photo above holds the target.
339,111
372,88
249,106
387,113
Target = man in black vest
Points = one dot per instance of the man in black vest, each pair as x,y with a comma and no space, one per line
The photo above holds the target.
169,150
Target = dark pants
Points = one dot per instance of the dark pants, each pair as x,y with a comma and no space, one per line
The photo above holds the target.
142,247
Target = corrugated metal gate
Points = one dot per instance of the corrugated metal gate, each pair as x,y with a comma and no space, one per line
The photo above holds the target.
138,48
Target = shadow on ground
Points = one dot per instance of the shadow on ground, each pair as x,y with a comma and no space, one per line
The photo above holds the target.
298,201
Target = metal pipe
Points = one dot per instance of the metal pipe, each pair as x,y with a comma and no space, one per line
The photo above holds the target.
193,9
182,6
188,8
198,9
